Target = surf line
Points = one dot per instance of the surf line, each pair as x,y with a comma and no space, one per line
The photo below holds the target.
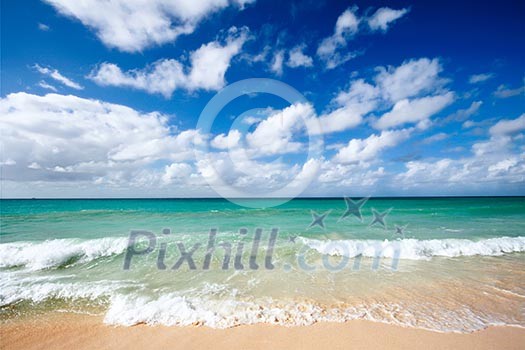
186,256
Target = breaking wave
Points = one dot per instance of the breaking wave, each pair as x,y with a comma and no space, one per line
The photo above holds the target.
414,249
58,252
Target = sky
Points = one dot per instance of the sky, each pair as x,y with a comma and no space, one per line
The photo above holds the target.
399,98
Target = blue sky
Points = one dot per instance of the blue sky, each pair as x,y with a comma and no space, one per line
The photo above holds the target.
410,98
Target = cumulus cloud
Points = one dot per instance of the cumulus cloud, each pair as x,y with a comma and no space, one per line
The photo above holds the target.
208,66
297,58
368,149
133,25
246,176
277,63
508,126
414,111
55,74
67,138
230,140
337,177
350,107
162,77
413,91
383,17
176,172
494,164
493,171
413,77
275,134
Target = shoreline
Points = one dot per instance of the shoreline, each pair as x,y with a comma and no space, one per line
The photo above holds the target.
69,330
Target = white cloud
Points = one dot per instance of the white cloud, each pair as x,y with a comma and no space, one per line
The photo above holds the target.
368,149
55,74
435,138
277,63
508,126
163,76
8,161
411,78
494,147
43,27
476,173
260,57
92,147
296,58
504,92
88,145
333,50
223,141
133,25
383,17
503,166
209,64
495,164
360,99
393,86
478,78
248,176
414,111
176,171
463,114
67,138
44,85
211,61
347,25
274,135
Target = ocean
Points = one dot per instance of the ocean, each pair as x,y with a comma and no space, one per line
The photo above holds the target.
445,264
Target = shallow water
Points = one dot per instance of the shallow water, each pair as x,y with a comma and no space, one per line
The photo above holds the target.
457,266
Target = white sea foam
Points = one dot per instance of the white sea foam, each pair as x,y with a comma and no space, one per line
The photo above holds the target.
221,306
38,292
57,252
177,310
414,249
174,309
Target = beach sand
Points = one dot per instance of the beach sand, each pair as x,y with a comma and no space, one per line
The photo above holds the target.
73,331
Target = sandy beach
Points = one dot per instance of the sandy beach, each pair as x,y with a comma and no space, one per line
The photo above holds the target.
72,331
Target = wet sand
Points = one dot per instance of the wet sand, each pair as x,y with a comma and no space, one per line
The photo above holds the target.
72,331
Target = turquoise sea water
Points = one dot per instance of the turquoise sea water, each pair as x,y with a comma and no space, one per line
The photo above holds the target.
459,263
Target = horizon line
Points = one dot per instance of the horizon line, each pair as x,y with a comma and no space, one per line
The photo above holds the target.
262,198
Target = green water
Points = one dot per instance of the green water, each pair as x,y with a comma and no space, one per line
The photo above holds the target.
454,257
429,218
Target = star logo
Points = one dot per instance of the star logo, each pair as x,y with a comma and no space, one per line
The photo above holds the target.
318,220
400,230
379,218
353,208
